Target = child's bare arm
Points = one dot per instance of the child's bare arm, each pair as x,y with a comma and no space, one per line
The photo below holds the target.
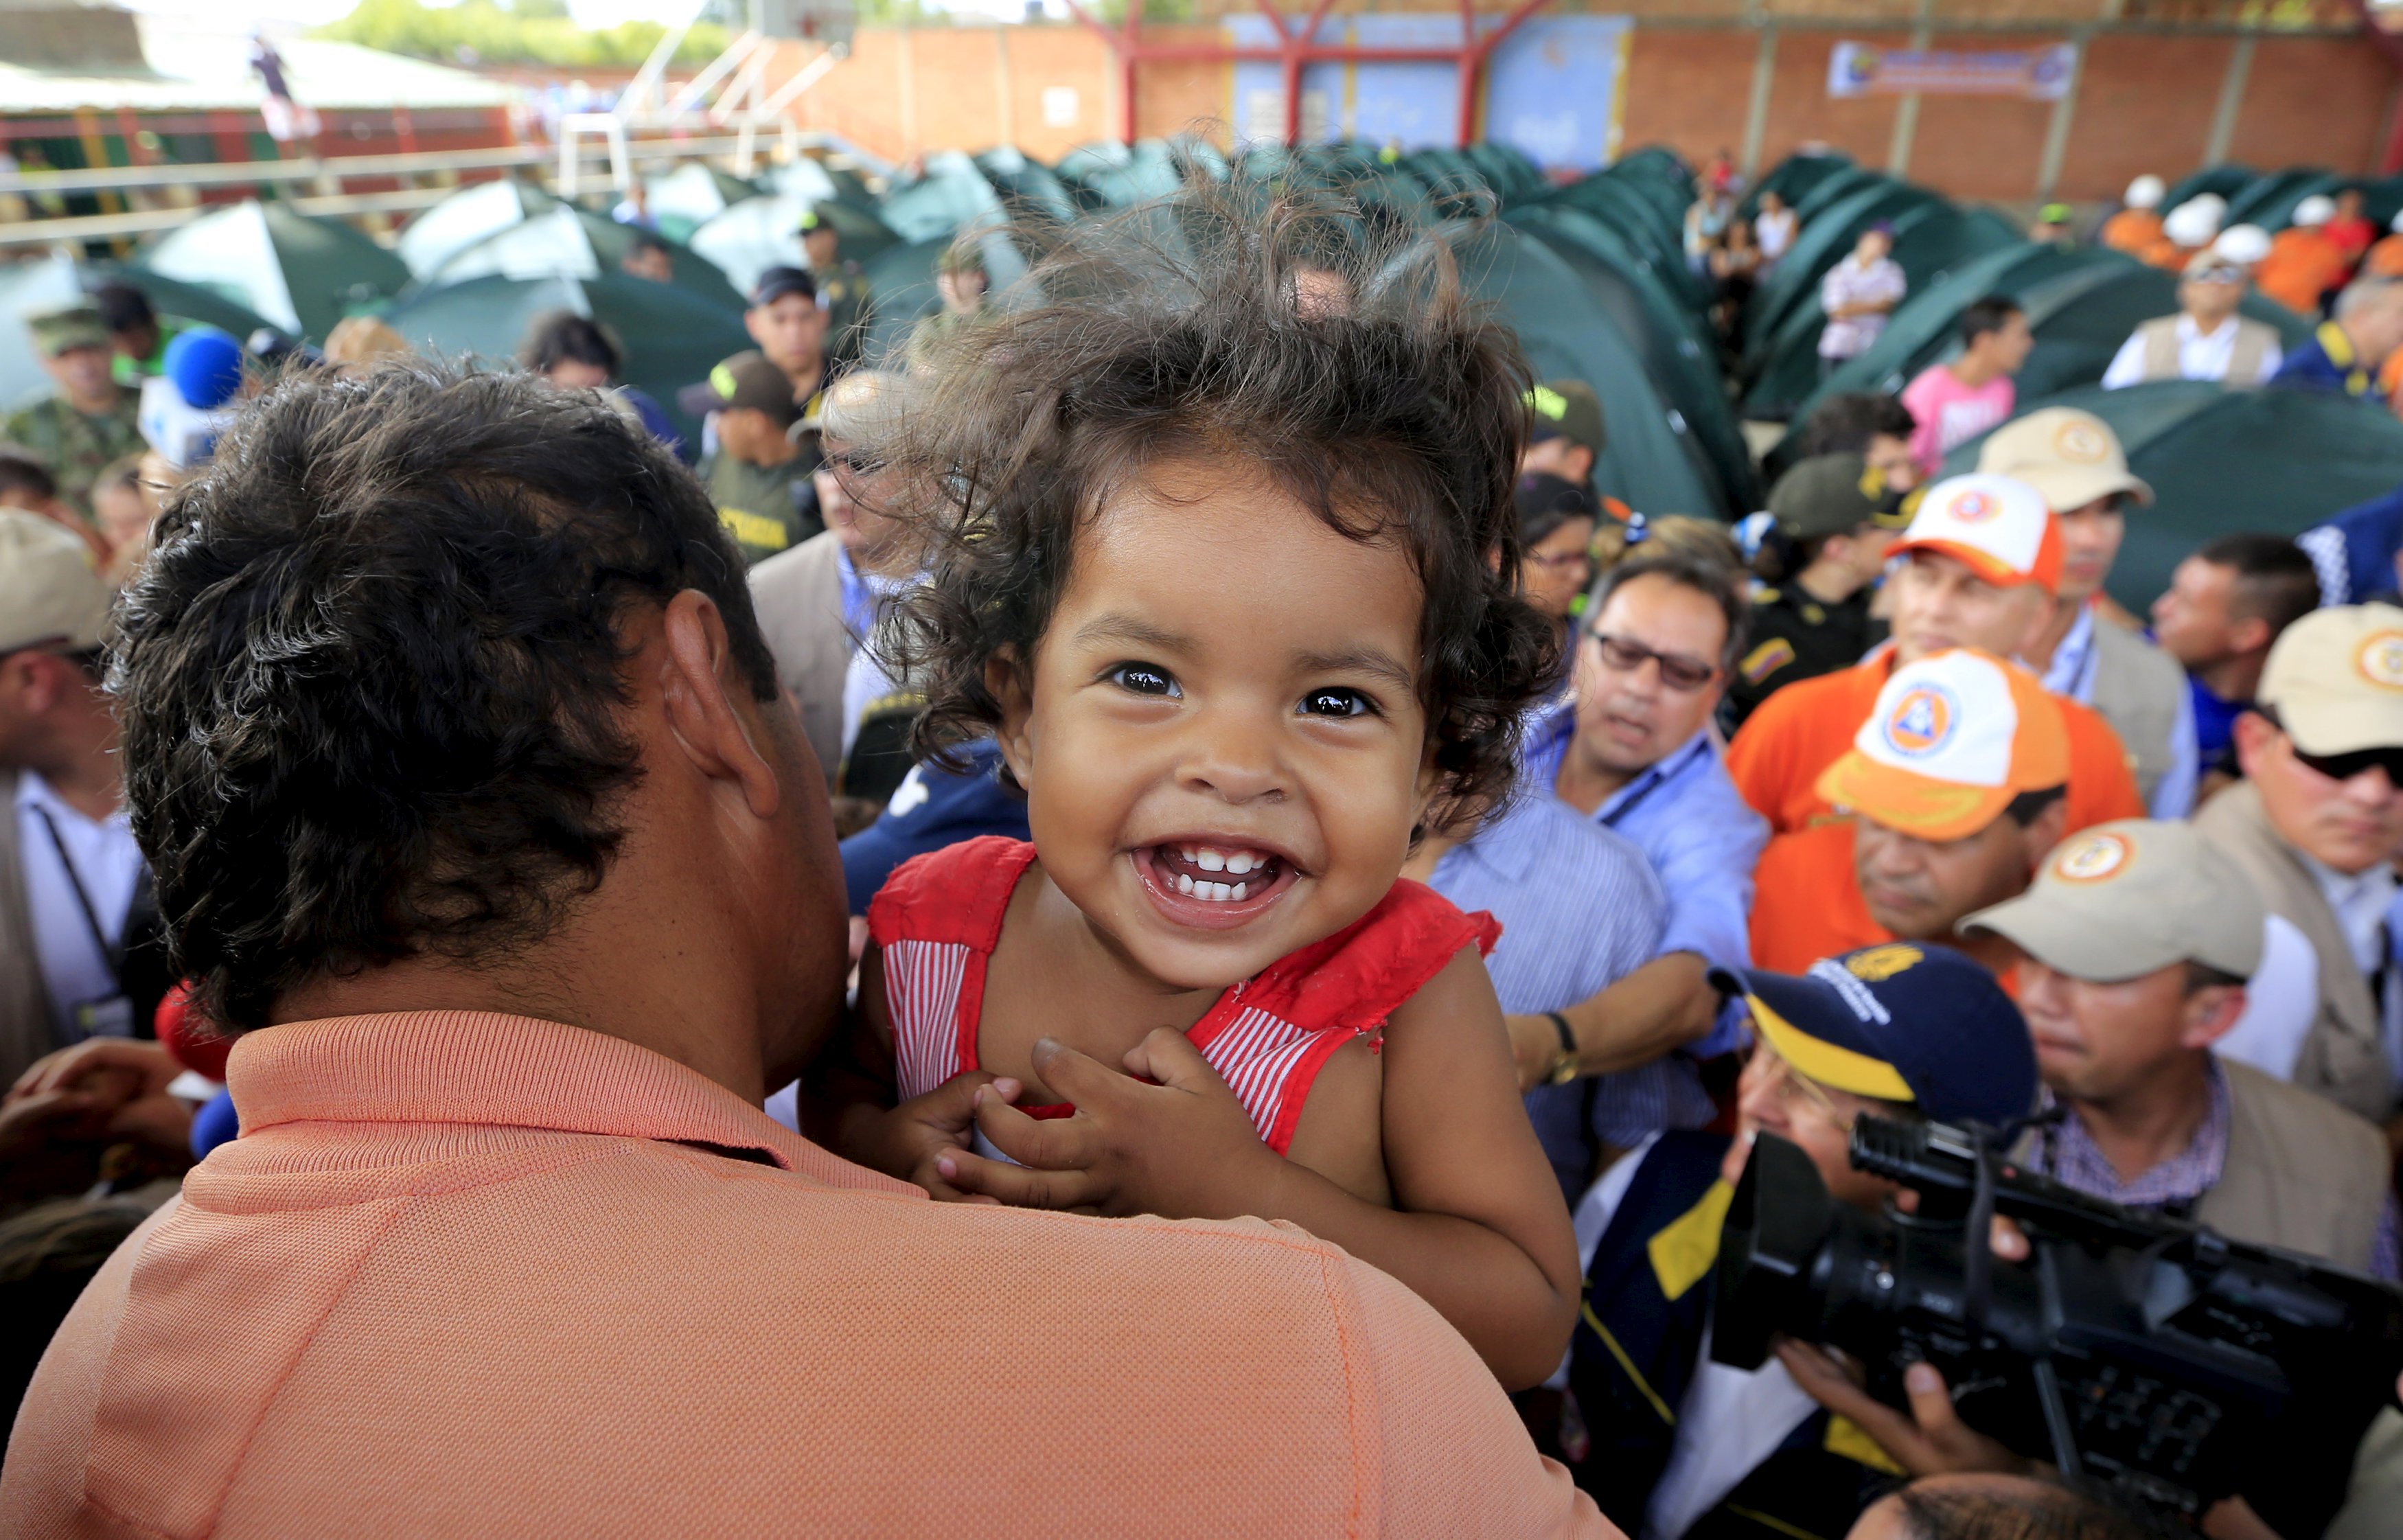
1480,1232
847,1102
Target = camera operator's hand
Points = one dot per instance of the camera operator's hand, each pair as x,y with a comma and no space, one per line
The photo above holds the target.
1931,1440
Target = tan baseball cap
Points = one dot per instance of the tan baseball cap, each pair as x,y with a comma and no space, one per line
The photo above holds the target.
49,594
2071,457
2123,899
2335,679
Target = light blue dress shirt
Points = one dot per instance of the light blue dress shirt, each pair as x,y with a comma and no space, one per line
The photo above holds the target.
1579,909
1701,837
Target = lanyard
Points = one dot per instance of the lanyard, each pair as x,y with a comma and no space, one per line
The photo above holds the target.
1636,799
108,954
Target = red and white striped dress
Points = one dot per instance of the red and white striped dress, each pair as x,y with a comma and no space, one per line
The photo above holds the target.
939,917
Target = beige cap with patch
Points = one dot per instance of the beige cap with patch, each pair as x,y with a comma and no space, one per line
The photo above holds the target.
2070,456
2123,899
49,594
2335,679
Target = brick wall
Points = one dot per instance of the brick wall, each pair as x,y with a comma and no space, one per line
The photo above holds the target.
2147,101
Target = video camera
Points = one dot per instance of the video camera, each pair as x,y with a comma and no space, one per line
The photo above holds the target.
2140,1354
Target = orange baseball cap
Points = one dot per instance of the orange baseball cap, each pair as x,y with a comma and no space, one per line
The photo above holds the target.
1998,527
1953,739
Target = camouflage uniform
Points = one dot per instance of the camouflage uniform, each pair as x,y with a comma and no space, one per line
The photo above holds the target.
76,447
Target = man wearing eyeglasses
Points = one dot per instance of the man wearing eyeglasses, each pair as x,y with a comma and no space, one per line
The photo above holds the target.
2317,822
818,602
1632,750
1983,561
1681,1444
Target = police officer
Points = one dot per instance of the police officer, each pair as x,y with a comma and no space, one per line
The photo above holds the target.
842,290
87,420
1683,1446
1565,437
1836,514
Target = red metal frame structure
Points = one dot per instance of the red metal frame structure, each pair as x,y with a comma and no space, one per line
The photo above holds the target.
1297,46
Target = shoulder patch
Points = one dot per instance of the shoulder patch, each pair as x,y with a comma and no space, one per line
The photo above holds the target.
1766,659
1848,1438
1765,596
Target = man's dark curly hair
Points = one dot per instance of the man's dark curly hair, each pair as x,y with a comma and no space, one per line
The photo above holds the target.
369,676
1229,327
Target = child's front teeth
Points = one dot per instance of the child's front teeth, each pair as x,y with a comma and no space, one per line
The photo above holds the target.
1217,892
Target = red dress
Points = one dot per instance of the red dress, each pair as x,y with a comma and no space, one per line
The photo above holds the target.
939,917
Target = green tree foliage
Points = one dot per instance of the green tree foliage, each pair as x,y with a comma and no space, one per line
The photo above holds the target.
529,32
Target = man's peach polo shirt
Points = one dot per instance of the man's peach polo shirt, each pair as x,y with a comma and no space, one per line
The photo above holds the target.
473,1275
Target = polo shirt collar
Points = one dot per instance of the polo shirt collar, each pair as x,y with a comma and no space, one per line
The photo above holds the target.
480,1068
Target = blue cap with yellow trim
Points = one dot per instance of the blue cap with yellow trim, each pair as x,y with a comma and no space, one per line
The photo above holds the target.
1901,1022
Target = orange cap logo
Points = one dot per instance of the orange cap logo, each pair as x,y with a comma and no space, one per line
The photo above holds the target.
1876,964
2379,659
2091,857
1922,721
2082,442
1973,507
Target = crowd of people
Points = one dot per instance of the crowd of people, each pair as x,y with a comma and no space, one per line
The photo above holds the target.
1282,791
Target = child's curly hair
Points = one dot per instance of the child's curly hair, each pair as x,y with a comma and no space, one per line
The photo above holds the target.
1231,322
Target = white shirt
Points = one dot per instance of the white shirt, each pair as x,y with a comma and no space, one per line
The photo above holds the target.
2071,675
108,863
2283,997
1774,232
2202,355
1730,1419
2281,1000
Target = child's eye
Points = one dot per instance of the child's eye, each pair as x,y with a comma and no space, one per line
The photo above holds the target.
1144,679
1337,702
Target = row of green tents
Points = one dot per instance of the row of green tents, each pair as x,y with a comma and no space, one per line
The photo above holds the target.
1591,274
2220,459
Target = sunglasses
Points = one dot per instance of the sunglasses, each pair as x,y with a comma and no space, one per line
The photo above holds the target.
2345,767
1676,671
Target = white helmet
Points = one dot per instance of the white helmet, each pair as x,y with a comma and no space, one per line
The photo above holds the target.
2313,212
2245,243
2145,192
2194,222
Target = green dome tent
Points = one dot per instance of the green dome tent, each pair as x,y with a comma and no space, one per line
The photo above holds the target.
1027,187
1921,328
567,241
952,192
1653,459
903,281
1678,352
680,201
1794,178
53,281
1792,286
671,336
2227,180
443,230
2222,461
300,272
1637,220
2081,303
763,232
1930,240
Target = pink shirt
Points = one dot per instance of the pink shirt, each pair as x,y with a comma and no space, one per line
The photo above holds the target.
470,1275
1949,414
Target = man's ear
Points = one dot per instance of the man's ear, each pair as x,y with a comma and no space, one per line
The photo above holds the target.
2209,1014
704,694
1006,679
2252,634
2253,736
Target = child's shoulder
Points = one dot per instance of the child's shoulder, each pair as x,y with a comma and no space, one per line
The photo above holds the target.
1357,976
957,894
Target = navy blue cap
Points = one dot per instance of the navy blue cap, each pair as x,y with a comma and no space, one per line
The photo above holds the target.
1902,1022
773,284
933,808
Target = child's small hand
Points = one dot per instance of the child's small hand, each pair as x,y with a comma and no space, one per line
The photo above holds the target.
1183,1147
912,1139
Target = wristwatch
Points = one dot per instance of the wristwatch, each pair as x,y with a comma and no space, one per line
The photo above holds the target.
1564,1063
